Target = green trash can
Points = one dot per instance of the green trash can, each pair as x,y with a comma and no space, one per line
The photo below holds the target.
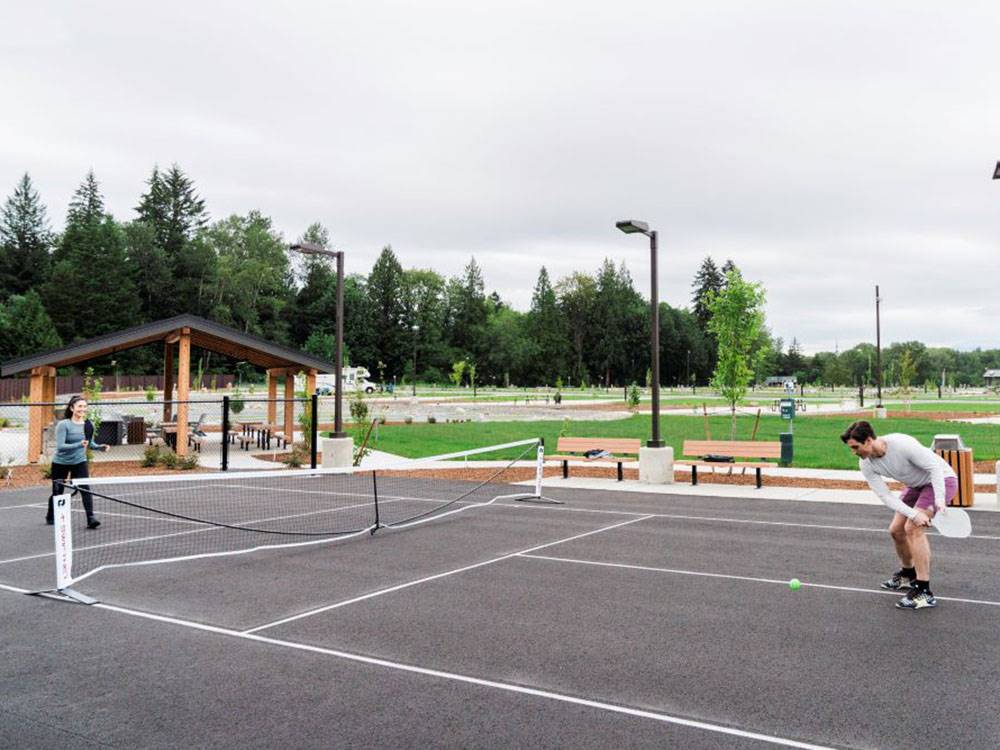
786,448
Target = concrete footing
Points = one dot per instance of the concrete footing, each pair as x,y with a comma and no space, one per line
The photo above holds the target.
656,465
337,452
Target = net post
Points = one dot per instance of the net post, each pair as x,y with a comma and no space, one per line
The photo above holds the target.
536,496
313,430
63,538
225,433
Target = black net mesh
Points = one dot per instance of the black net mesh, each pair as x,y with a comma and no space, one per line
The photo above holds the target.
160,519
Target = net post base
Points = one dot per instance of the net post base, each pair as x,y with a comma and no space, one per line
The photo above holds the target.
65,595
529,497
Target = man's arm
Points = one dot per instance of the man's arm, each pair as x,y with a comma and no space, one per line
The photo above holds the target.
880,488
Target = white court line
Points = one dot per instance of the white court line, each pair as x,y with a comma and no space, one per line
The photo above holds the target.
468,679
391,589
36,504
719,519
676,571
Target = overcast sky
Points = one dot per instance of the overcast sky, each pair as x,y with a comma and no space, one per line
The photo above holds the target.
825,147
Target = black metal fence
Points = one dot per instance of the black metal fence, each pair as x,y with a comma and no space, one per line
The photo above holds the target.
223,433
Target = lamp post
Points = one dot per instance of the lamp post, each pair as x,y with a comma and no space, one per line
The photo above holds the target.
415,328
312,248
632,226
878,351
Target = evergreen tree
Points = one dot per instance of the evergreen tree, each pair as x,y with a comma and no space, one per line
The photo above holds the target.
708,279
388,313
25,239
91,290
172,207
577,295
547,328
25,327
175,272
468,313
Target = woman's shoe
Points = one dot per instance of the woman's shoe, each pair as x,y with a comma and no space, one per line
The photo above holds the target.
93,523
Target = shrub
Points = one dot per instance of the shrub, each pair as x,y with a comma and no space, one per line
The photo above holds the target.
189,461
150,393
431,419
151,456
168,460
298,456
408,420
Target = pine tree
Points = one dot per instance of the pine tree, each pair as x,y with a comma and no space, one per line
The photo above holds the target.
91,290
25,239
547,329
175,269
468,312
388,312
708,279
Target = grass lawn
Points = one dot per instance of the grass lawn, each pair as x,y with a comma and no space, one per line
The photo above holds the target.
816,443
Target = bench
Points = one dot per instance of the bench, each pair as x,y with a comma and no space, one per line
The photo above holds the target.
734,448
577,445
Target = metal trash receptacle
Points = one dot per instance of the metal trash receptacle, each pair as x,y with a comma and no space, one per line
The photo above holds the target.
959,458
786,449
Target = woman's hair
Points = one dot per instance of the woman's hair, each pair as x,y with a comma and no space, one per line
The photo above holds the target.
859,431
68,412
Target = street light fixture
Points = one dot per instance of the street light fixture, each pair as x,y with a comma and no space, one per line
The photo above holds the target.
312,248
632,226
415,328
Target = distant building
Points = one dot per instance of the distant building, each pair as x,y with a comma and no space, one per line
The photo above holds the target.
992,378
778,381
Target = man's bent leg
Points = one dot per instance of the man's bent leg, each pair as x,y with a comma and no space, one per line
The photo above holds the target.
897,530
920,550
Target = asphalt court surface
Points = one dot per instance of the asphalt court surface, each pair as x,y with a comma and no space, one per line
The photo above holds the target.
616,620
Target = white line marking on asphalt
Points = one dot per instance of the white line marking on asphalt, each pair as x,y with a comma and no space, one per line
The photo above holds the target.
391,589
783,582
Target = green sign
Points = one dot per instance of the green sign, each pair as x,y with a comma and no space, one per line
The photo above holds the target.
787,408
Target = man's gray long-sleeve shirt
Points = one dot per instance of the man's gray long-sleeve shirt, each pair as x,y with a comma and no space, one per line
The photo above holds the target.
909,462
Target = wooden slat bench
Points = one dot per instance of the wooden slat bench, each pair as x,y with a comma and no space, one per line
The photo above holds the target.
617,447
735,448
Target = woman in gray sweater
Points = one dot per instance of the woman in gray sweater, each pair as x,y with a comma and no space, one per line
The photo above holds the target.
70,460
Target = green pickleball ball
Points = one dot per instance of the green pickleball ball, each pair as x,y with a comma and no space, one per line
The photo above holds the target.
795,584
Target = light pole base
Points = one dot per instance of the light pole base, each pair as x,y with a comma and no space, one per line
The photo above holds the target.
656,465
880,412
338,452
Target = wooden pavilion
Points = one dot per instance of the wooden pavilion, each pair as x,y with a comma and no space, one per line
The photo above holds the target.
178,335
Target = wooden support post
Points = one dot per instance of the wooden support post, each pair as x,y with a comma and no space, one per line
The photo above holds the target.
289,426
183,390
38,416
168,380
272,395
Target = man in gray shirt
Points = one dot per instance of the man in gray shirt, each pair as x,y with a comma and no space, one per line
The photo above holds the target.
930,485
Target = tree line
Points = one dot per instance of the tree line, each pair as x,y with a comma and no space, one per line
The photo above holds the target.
101,274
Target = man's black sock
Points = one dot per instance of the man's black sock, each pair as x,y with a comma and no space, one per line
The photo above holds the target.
910,573
919,585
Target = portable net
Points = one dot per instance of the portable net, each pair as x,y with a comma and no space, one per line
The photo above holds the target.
161,519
